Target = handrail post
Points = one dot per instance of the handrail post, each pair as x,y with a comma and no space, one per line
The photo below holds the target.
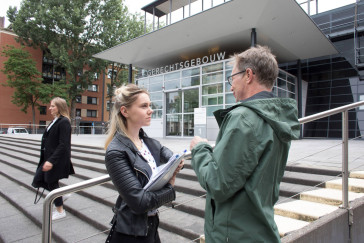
345,154
47,205
47,221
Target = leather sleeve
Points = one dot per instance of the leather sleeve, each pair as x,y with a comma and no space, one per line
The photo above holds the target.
125,179
165,154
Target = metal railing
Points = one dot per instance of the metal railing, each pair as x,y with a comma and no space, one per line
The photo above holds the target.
47,221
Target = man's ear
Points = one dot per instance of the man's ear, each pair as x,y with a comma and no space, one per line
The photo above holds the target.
124,111
249,75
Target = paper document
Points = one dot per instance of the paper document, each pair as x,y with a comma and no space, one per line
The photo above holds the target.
164,173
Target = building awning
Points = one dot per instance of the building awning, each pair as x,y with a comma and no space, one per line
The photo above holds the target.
163,7
280,24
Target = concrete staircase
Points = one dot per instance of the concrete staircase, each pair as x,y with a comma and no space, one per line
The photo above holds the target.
89,211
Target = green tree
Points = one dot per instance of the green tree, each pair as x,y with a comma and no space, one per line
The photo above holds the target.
115,31
71,31
23,75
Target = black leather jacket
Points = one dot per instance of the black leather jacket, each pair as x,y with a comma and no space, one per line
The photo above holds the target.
130,172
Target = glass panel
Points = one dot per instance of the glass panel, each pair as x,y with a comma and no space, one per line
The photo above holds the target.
229,99
157,114
282,83
291,95
174,102
212,100
291,87
191,81
188,125
157,104
212,68
190,100
291,79
227,87
171,84
228,65
211,109
191,72
227,74
174,127
156,96
212,78
156,79
171,76
282,75
142,81
155,87
282,93
212,89
274,90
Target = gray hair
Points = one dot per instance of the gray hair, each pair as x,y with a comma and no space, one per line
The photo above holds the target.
261,60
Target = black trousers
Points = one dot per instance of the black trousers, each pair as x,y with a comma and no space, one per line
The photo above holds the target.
152,236
59,200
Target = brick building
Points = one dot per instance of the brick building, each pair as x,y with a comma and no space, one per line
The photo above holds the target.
91,107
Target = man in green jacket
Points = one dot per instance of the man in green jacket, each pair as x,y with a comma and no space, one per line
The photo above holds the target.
242,174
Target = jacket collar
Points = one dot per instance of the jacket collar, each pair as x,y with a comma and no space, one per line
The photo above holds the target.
220,114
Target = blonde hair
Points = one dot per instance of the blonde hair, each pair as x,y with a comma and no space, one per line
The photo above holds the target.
62,107
125,95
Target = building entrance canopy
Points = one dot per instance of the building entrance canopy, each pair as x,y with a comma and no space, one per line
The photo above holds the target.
280,24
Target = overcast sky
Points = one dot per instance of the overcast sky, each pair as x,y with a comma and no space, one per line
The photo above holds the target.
136,5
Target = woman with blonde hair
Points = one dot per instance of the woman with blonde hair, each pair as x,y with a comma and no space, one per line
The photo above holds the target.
55,154
131,158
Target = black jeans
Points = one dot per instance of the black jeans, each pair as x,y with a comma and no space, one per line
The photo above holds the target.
152,236
59,200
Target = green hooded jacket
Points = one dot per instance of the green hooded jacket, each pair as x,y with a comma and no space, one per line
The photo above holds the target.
242,174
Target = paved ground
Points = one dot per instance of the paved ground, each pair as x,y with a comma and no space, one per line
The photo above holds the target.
326,153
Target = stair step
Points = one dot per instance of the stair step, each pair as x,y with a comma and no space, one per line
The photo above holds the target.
183,224
328,196
354,184
306,179
22,198
286,225
10,227
357,174
92,210
303,210
292,190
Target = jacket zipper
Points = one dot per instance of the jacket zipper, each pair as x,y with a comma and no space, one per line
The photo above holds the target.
142,173
140,170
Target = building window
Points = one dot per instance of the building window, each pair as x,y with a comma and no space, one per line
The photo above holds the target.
78,112
43,110
51,71
92,100
108,106
78,99
91,113
92,87
109,72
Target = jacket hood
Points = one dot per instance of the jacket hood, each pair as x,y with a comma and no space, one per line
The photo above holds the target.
279,113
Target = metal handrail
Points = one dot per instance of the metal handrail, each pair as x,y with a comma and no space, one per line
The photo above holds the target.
47,222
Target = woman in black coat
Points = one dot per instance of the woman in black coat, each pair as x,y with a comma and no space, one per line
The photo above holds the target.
131,158
55,156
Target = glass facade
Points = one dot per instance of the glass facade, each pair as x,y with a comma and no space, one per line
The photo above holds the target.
174,95
337,80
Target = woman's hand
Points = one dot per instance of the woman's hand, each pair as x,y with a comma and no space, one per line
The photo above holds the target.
180,167
47,166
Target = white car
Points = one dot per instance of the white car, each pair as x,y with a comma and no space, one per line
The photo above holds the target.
17,130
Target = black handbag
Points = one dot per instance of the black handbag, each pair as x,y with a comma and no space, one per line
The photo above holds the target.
38,182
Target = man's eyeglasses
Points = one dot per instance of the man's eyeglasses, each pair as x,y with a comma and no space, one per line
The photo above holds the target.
230,78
